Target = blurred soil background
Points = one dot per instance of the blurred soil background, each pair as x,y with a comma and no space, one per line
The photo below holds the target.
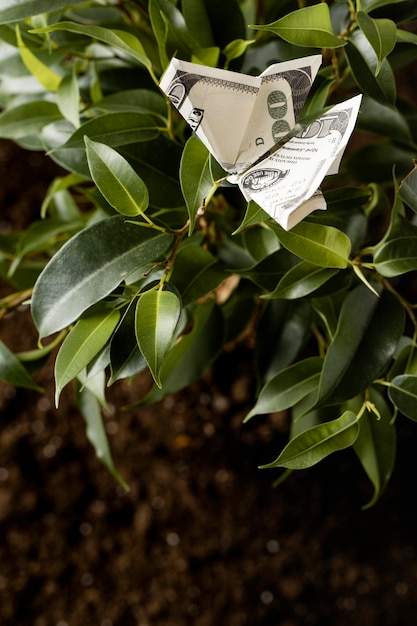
201,538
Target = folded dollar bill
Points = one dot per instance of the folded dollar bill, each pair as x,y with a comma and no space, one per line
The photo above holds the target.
249,124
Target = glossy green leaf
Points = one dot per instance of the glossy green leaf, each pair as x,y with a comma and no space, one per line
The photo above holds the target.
68,99
60,183
82,344
328,308
171,32
14,10
94,379
157,314
381,34
196,272
139,100
197,18
89,266
115,129
96,434
282,330
368,332
41,236
309,26
254,214
27,118
126,360
397,256
408,189
236,48
301,280
155,161
403,393
314,444
120,39
49,79
363,64
406,36
12,372
116,179
376,445
383,120
195,177
260,242
268,272
193,353
371,5
288,387
321,245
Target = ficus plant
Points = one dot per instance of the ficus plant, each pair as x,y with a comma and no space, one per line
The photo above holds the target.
141,233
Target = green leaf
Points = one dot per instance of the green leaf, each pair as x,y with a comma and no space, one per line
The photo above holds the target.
157,161
301,280
397,256
371,5
68,99
198,21
376,445
27,118
321,245
14,10
309,26
196,272
365,340
126,360
41,236
268,272
288,387
236,48
403,393
195,177
193,353
281,332
115,129
120,39
171,31
363,64
116,179
314,444
89,266
90,410
381,34
12,372
43,74
408,189
157,314
82,344
136,100
383,120
254,215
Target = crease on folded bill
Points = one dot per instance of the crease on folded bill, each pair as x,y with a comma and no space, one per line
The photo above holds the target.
241,119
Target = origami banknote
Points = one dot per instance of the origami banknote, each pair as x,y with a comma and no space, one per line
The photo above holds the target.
249,124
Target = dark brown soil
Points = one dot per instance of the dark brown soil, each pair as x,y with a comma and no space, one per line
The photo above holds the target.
201,539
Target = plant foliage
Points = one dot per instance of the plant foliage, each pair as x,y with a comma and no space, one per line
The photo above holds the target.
123,267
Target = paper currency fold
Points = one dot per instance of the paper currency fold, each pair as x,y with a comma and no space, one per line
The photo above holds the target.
243,120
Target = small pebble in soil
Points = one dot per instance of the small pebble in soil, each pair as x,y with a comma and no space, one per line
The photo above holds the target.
157,503
85,529
401,588
272,546
87,579
267,597
172,539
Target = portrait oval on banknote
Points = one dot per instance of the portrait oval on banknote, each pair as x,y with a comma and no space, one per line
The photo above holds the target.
261,179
